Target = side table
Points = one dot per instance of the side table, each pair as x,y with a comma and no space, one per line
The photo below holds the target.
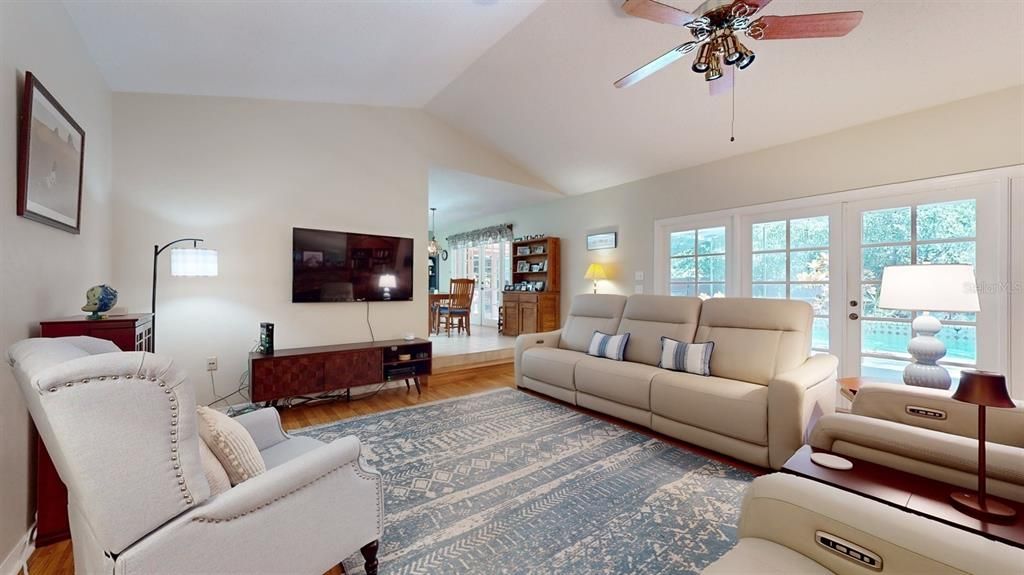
911,493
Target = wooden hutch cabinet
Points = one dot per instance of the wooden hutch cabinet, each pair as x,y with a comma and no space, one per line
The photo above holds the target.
535,263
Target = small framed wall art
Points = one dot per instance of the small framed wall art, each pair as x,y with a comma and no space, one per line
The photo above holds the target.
51,153
602,241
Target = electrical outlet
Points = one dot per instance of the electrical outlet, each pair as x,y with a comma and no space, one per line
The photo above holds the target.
211,364
638,288
638,276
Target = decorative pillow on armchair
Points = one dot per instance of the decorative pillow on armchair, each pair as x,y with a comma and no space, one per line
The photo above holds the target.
213,470
231,443
609,346
692,358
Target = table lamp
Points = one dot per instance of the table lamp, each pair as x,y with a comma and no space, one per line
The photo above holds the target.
928,288
984,389
595,272
386,282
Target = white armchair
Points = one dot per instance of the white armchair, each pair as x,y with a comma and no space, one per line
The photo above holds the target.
120,427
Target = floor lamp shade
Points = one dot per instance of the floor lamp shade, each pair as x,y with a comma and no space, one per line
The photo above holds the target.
193,262
926,288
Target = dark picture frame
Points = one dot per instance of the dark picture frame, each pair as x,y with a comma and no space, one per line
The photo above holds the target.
51,160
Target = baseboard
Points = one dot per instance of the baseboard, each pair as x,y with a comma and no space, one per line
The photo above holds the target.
470,366
19,555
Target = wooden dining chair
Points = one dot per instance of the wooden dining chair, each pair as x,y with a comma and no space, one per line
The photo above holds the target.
459,304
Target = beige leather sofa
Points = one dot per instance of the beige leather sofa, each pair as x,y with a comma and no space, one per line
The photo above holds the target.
763,390
886,426
784,517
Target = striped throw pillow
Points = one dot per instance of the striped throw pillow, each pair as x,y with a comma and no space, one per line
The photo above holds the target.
610,346
689,357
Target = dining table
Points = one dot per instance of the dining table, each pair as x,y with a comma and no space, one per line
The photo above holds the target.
436,300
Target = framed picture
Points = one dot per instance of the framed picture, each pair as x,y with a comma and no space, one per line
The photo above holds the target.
522,250
51,152
538,249
603,241
544,266
535,267
538,286
522,266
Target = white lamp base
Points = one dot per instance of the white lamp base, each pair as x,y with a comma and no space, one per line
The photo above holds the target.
926,350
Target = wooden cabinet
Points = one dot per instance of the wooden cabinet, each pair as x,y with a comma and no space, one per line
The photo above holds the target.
530,312
536,263
132,332
310,370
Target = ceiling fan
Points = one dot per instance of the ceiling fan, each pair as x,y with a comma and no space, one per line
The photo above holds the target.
715,25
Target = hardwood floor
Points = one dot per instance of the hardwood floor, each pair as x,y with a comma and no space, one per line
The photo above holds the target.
57,559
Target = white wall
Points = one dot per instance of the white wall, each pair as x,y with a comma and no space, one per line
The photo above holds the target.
241,173
45,270
973,134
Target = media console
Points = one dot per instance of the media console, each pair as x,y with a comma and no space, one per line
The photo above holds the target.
311,370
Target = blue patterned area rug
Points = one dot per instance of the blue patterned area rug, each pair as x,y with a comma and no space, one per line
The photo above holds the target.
504,482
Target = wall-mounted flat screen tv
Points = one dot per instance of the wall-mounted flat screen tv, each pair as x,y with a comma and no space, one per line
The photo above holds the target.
338,266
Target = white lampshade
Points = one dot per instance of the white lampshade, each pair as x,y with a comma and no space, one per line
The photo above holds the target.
929,288
388,281
193,262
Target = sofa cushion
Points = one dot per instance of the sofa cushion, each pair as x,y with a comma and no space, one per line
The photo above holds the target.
756,339
551,365
648,318
608,346
733,408
590,313
692,358
619,381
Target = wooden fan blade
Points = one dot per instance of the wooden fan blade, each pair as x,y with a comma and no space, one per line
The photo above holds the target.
724,84
658,12
651,67
830,25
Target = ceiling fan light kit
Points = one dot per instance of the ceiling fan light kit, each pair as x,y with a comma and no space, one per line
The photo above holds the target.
714,26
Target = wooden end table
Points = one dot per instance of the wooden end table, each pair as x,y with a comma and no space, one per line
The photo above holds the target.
911,493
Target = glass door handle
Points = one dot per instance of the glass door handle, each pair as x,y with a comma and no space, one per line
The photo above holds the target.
854,316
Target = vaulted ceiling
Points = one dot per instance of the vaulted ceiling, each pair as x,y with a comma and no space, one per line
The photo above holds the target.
535,79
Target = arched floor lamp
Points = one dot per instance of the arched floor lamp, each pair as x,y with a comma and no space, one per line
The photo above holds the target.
185,262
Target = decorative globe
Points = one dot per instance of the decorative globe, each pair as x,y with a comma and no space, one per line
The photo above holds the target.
99,299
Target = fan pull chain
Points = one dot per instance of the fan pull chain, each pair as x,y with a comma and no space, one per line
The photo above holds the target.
732,127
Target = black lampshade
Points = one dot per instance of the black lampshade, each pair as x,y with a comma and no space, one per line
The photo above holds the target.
983,388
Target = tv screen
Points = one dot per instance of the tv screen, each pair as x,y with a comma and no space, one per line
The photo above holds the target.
339,266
